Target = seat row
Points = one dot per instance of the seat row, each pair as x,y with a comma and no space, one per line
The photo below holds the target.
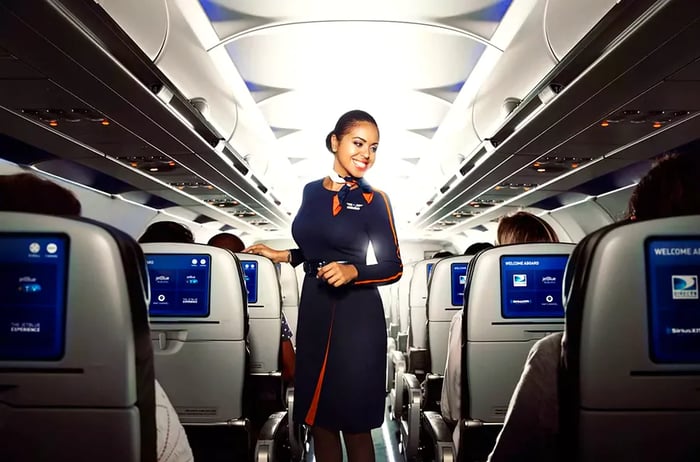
79,354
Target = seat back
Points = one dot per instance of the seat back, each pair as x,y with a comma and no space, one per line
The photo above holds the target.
445,298
513,298
264,311
630,386
289,288
76,365
418,295
197,314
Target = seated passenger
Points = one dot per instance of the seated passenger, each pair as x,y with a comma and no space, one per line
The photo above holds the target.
287,355
167,231
443,254
531,426
519,228
28,193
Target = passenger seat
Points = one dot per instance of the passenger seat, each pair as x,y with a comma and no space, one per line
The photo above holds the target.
632,349
76,364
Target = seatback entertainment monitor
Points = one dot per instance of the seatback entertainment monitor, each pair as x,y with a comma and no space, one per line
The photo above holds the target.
531,286
250,277
458,273
179,284
33,284
673,299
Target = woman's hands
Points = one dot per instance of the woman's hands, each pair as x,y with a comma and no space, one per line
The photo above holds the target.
277,256
337,274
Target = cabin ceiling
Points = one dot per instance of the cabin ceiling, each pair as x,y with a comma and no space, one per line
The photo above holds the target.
222,106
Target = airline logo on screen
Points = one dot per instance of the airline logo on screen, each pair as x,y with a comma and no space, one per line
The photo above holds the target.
520,280
685,287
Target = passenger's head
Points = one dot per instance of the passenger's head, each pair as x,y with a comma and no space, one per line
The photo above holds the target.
477,247
671,188
354,142
523,227
227,241
25,192
167,231
443,254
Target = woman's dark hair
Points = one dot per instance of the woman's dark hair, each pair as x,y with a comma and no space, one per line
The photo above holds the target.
443,254
346,122
523,227
477,247
671,188
167,231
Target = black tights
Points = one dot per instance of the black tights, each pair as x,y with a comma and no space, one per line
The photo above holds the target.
327,447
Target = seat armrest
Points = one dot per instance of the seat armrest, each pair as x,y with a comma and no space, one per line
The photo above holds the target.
393,330
397,393
402,340
440,434
410,418
432,392
296,432
265,446
417,361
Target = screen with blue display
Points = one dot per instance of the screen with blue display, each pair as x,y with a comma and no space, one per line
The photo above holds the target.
428,270
531,286
33,281
459,281
250,276
673,268
179,285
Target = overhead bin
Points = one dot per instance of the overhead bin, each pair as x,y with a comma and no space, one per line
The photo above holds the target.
163,33
566,22
145,21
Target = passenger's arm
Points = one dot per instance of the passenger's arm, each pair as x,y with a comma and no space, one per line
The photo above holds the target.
450,400
382,234
531,425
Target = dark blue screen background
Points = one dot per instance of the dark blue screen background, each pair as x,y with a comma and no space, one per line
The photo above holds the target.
179,285
531,286
428,270
33,280
673,269
459,274
250,276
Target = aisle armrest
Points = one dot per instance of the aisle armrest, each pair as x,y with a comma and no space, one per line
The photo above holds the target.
265,446
441,436
410,418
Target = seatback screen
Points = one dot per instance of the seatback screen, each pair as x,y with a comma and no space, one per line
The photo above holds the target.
428,270
673,269
531,286
459,281
250,277
33,282
179,284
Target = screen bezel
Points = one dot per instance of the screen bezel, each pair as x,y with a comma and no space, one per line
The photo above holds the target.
151,285
524,257
257,276
62,317
651,335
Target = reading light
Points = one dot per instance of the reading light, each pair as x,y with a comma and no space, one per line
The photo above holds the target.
134,164
153,169
541,170
574,165
105,122
53,123
604,123
657,125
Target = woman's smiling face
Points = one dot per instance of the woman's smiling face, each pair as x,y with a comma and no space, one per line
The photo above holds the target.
356,150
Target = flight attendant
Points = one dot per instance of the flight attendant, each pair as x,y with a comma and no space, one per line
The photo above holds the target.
341,334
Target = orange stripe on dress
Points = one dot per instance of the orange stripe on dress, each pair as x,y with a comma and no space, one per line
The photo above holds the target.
311,414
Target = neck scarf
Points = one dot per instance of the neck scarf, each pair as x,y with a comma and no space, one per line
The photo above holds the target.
349,183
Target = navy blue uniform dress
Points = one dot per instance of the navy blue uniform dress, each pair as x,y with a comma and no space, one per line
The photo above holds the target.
341,332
